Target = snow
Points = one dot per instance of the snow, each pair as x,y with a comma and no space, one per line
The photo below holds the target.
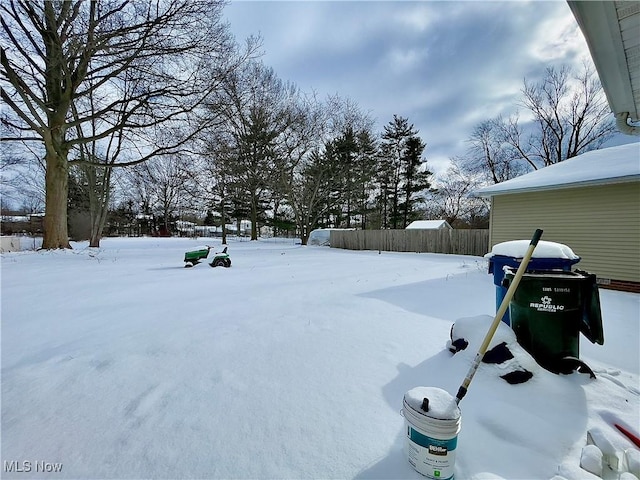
591,460
320,236
442,405
119,362
633,461
607,165
544,249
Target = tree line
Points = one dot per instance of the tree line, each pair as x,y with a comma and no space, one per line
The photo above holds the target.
154,105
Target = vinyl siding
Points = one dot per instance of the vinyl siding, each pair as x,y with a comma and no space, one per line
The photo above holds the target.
601,224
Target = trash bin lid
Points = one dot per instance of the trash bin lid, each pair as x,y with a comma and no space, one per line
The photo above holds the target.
591,325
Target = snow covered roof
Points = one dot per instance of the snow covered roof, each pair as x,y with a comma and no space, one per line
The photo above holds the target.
597,167
428,224
14,218
21,218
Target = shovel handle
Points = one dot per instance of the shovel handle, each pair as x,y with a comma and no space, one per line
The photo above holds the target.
499,314
535,239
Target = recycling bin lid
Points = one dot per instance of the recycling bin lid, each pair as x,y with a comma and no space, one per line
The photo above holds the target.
544,249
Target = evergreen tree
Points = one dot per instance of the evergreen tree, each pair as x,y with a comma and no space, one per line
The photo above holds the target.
209,220
399,172
416,179
366,163
345,149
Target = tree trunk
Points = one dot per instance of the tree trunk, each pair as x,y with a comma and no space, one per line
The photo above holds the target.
96,228
254,217
98,202
394,207
305,228
407,199
56,233
223,220
98,221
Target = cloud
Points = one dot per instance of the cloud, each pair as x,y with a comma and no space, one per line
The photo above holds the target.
404,59
415,17
444,65
559,38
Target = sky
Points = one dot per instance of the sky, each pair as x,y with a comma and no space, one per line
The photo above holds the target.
118,362
444,65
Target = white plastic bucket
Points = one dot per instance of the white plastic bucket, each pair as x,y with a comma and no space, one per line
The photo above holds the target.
431,434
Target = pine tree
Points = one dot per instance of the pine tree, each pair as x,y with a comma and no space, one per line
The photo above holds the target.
392,172
416,178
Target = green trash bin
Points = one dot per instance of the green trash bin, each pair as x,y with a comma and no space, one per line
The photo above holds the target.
548,311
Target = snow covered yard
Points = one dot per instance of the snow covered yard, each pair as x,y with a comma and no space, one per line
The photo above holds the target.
120,363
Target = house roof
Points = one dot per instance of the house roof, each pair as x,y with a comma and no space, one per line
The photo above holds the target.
428,224
612,32
597,167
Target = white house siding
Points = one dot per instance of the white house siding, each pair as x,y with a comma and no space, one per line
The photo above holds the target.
600,223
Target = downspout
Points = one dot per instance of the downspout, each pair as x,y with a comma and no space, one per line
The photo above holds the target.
624,127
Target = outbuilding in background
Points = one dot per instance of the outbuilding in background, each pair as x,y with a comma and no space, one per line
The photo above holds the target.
322,236
429,225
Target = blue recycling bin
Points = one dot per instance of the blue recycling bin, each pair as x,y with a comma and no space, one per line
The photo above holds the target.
498,262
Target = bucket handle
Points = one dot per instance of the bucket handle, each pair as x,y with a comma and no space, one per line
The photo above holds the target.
402,412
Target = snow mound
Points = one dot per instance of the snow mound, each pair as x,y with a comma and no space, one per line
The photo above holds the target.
627,476
632,457
544,249
591,459
474,329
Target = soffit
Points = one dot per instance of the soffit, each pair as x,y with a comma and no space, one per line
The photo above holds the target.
612,32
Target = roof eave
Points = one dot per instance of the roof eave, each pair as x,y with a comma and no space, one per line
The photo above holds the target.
601,28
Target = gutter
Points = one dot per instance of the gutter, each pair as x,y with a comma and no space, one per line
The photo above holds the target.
623,125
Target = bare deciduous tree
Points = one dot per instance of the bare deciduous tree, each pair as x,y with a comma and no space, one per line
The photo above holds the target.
451,198
57,54
259,110
571,115
21,174
214,183
294,177
163,183
491,155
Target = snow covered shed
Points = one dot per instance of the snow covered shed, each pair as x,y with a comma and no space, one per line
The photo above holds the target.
429,225
322,236
590,203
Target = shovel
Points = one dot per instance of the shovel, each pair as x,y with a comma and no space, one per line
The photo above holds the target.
462,391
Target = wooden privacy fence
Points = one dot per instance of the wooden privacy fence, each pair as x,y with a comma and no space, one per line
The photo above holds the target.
459,242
